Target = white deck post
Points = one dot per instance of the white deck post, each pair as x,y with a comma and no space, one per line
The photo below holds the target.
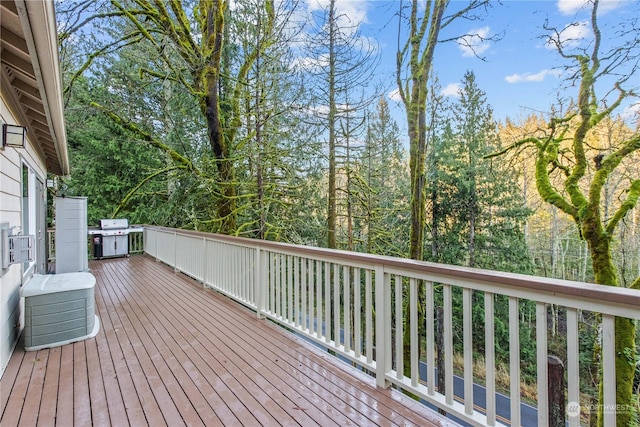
383,324
258,284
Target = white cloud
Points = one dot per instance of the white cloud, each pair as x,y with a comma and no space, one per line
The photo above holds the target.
394,95
571,35
570,7
532,77
474,43
631,112
320,110
452,89
350,13
310,64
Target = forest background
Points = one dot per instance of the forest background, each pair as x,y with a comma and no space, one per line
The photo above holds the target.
283,167
304,143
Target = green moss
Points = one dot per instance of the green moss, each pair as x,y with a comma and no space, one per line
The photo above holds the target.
625,370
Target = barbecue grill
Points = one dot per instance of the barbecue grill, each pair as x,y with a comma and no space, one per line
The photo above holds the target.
112,238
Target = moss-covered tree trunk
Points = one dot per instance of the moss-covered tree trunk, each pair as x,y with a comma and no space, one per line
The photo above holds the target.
562,152
419,49
625,329
413,67
556,160
587,215
212,23
188,41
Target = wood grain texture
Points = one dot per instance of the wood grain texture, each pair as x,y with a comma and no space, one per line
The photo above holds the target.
172,353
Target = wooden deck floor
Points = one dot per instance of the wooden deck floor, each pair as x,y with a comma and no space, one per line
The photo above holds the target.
171,353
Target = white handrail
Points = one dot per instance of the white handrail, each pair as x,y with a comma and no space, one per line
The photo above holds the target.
357,305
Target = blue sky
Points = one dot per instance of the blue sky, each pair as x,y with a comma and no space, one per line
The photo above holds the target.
521,74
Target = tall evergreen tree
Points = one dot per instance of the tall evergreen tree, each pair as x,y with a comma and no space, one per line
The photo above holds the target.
477,211
339,65
382,186
485,212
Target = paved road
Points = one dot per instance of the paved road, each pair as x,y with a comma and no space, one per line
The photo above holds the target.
528,413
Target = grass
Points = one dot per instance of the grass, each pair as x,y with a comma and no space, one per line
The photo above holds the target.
528,391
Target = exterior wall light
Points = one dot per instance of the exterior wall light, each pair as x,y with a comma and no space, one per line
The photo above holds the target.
14,136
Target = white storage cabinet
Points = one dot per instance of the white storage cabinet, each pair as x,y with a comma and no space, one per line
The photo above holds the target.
71,235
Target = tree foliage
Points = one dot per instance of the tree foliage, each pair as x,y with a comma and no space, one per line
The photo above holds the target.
413,68
478,212
567,179
192,54
107,164
199,114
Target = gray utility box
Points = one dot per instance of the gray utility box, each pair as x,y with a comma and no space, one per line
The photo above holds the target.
59,309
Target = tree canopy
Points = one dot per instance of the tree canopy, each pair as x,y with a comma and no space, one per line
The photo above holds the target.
242,118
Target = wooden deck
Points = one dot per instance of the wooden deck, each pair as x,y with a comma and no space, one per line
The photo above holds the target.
171,353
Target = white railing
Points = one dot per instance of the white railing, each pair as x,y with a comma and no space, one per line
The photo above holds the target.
358,306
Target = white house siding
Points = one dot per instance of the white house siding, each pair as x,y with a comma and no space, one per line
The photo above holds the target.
31,96
11,279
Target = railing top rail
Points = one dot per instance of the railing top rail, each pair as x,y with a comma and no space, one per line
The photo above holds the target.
570,289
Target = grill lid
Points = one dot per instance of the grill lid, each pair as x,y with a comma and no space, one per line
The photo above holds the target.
113,224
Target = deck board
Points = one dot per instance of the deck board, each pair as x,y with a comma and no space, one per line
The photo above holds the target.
121,372
170,352
81,396
50,388
99,408
65,414
9,377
